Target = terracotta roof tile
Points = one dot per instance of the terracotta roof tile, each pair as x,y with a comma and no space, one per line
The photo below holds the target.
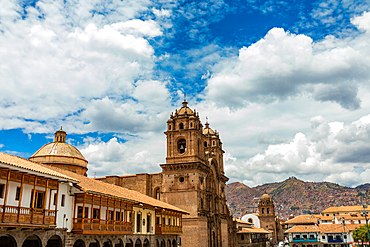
243,222
332,228
303,228
303,219
253,230
343,209
327,218
91,185
32,166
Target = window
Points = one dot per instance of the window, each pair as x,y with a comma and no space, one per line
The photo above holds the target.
263,210
181,126
163,221
158,219
323,237
242,236
268,210
205,144
17,193
169,127
37,199
63,200
118,216
2,190
80,212
191,125
148,222
96,213
129,216
110,214
157,193
55,200
138,222
181,179
181,145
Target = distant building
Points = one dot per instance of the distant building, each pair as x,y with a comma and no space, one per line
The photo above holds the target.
249,235
266,218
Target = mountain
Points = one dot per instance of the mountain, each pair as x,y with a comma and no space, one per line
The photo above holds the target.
294,196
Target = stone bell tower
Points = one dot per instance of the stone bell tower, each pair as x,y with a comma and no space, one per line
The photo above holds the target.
266,215
194,180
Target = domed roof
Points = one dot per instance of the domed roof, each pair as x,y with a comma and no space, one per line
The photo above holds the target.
265,197
59,149
185,109
208,130
67,153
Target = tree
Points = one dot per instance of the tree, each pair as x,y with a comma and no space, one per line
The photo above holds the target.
361,233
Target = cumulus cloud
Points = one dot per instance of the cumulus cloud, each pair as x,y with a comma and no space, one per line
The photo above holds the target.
333,153
283,65
55,73
135,155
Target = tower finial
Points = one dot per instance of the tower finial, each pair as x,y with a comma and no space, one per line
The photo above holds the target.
184,96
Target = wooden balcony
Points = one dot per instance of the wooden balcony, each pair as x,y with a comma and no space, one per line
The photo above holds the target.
13,215
165,229
82,225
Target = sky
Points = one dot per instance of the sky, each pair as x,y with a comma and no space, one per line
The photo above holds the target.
285,83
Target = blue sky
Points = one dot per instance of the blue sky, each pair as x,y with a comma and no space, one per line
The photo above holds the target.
286,83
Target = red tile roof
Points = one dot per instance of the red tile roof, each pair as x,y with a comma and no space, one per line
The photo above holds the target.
19,162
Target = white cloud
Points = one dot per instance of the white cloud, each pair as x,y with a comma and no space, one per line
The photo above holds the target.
136,155
53,73
334,153
284,65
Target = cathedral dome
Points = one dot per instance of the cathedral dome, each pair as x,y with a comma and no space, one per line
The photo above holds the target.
265,197
61,154
185,109
207,130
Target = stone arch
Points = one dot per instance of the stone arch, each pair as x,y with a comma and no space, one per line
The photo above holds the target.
168,243
7,241
32,241
157,193
129,243
94,243
54,241
119,244
174,243
156,243
138,243
146,243
107,243
79,243
163,243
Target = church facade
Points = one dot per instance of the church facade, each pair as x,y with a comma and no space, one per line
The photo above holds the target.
192,179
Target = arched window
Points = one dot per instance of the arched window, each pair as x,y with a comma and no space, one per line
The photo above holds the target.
157,193
263,210
268,210
205,144
191,125
181,126
169,127
250,220
181,145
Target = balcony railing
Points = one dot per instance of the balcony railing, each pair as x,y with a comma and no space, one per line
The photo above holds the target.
305,240
166,229
14,214
259,240
82,224
335,240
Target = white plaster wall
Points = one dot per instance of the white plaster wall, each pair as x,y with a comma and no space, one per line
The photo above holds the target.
67,210
256,220
144,212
